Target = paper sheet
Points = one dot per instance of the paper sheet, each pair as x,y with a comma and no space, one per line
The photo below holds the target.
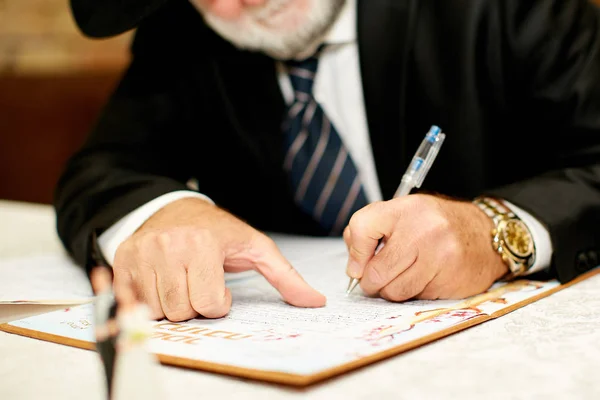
54,278
263,333
43,279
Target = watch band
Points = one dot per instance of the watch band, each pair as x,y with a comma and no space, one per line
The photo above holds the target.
501,215
493,208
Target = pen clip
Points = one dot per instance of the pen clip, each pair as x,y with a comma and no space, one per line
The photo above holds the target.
428,162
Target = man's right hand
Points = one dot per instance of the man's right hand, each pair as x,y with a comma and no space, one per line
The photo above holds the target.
176,262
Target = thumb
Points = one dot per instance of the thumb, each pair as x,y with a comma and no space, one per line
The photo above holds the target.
288,282
366,235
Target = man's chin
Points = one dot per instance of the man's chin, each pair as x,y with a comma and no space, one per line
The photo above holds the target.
285,54
276,50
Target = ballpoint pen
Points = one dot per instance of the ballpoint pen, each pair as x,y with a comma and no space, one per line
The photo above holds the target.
414,175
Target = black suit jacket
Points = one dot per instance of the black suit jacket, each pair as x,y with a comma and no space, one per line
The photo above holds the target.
514,84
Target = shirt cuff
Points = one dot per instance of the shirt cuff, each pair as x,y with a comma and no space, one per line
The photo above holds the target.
110,240
541,239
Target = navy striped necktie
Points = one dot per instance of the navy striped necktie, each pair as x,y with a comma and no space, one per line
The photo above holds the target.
324,179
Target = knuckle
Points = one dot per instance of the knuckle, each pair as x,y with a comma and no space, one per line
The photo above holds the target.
156,312
405,293
267,243
376,273
376,206
121,268
405,287
394,266
439,293
358,221
437,226
210,301
173,297
125,274
427,201
200,237
396,294
176,306
347,240
163,239
381,270
364,222
260,249
398,206
125,249
414,203
123,280
141,294
452,249
430,292
123,256
356,253
180,314
145,243
441,221
149,299
144,264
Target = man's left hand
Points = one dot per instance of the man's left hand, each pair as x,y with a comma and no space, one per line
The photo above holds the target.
434,248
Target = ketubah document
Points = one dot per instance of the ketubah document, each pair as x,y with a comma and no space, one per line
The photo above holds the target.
265,338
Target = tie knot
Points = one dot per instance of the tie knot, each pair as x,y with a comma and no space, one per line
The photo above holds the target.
302,76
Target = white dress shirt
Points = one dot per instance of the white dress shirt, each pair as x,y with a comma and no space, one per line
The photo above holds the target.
338,89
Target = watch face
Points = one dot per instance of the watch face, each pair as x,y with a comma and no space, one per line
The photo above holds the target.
517,238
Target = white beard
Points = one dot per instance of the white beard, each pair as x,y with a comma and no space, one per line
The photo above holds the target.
250,33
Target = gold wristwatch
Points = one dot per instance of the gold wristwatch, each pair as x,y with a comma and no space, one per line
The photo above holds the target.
510,237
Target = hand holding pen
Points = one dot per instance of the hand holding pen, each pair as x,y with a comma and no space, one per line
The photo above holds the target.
421,246
412,178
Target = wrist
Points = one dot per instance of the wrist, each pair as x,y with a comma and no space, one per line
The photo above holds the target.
178,213
496,265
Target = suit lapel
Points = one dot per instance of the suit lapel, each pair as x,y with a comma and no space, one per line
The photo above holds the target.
255,105
383,34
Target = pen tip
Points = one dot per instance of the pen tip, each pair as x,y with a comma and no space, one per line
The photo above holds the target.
352,285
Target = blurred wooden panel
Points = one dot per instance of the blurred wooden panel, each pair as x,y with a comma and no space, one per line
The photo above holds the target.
43,120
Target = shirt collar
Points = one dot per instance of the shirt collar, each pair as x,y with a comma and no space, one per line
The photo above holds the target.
344,28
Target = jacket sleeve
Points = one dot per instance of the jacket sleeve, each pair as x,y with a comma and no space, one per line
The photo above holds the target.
554,49
126,160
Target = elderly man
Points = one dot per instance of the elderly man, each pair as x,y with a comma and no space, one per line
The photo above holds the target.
238,117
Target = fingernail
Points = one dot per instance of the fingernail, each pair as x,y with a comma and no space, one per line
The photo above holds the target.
353,269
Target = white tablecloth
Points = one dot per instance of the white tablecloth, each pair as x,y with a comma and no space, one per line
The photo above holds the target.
549,349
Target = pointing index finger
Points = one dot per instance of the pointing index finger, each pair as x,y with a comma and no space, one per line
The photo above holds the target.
288,282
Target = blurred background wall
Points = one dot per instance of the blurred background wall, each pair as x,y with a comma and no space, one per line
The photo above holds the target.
53,83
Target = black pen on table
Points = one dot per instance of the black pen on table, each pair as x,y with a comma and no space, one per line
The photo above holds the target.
105,310
122,322
414,175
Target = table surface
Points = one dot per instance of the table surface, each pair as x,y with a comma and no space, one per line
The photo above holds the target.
549,349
